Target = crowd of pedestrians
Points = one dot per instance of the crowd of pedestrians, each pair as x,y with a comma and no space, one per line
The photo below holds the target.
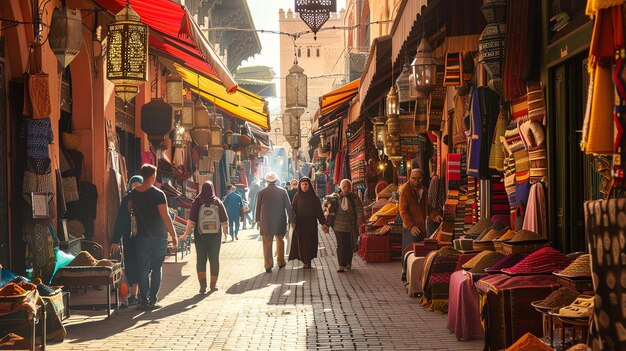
144,227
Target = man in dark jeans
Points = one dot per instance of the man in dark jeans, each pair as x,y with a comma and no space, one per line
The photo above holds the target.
149,206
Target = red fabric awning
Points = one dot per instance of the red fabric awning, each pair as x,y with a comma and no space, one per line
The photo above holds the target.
176,29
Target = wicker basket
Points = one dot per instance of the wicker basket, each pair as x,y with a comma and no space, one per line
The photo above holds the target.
483,245
523,249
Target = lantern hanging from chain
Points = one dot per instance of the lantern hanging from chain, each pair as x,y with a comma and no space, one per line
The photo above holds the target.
402,85
424,68
379,132
315,13
491,41
296,87
66,34
127,56
392,107
186,114
174,91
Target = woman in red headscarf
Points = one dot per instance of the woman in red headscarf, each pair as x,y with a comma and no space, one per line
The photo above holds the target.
208,220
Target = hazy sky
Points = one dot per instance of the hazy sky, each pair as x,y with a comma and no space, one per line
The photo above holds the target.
265,16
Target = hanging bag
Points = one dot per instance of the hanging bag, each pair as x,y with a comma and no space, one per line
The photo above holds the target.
36,88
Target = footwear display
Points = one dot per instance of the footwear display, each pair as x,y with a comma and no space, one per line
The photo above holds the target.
580,308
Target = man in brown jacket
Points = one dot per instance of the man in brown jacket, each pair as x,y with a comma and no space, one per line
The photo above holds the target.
414,210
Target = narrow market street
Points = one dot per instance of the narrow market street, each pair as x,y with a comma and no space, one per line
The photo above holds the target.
290,309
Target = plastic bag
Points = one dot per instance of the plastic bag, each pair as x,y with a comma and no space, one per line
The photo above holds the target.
62,259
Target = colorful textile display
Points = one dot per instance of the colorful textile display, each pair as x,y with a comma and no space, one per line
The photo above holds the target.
436,193
436,104
496,154
475,140
458,127
604,225
600,137
499,198
544,260
436,285
454,69
463,308
535,219
454,171
536,102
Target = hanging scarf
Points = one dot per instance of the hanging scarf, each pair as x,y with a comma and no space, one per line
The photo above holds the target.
600,137
607,38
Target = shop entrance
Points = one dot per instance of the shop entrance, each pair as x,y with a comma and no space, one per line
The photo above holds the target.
573,179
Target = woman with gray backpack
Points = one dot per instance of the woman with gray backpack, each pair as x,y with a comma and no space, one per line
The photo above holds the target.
208,220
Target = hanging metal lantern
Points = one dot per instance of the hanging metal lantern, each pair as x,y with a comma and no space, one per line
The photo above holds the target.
424,68
216,135
379,132
494,11
186,115
402,84
491,50
228,138
179,135
156,118
296,87
66,34
315,13
201,117
201,135
392,103
127,55
174,91
291,123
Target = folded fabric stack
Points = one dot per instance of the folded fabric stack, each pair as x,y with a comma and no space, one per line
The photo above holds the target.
542,261
184,202
169,190
505,262
167,169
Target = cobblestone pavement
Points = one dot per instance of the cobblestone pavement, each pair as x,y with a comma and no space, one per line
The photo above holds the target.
289,309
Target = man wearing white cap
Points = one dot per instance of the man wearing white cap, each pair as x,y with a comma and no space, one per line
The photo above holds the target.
272,209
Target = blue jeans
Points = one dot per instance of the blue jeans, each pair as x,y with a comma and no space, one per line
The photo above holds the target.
150,256
233,226
408,239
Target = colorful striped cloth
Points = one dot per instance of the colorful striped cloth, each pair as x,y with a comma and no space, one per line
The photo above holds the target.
536,102
454,69
454,171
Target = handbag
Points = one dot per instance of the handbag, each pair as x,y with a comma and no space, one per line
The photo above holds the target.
70,189
36,89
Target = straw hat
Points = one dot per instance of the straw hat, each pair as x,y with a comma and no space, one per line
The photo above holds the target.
506,262
479,226
544,260
486,262
474,260
524,235
581,267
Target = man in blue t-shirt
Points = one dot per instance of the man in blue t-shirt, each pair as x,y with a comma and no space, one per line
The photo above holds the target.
234,208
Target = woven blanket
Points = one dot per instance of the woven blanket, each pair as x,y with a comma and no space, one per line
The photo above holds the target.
438,288
496,153
454,171
454,69
536,102
436,104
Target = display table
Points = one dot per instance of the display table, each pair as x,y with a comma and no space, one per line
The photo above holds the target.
414,275
374,248
505,305
89,276
463,307
26,319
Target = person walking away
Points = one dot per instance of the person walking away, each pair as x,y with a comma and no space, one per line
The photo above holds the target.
272,211
254,191
148,205
121,234
294,189
234,209
207,219
414,210
308,210
347,220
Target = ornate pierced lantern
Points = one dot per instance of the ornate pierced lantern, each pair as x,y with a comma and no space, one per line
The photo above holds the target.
424,68
228,138
315,12
402,84
201,135
179,135
491,41
291,126
379,132
127,56
156,118
296,87
186,115
66,34
215,149
174,91
392,103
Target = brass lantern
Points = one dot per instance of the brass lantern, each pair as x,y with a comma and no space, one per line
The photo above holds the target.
66,34
127,56
201,118
392,103
216,134
156,118
315,13
228,138
186,114
296,87
402,84
424,68
379,132
174,91
201,135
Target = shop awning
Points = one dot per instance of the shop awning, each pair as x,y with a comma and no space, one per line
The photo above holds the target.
241,104
178,36
338,97
376,79
404,25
